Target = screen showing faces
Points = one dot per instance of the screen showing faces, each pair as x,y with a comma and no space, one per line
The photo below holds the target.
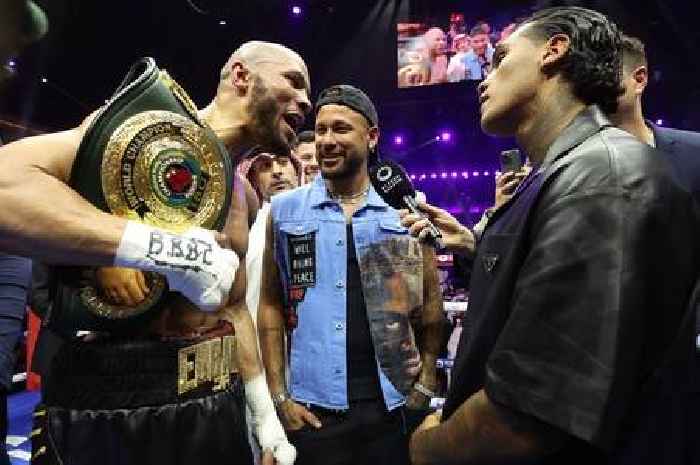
450,51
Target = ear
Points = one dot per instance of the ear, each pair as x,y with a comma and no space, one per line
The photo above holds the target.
239,77
554,50
641,79
373,137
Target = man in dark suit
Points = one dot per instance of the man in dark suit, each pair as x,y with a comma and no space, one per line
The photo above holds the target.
568,358
681,147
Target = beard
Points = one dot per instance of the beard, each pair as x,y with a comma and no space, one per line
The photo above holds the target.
350,167
264,110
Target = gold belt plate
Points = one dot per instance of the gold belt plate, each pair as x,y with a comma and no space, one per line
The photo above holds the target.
211,361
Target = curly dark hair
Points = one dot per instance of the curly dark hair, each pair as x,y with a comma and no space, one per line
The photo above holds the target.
593,63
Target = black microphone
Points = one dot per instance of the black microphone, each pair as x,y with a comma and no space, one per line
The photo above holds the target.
395,188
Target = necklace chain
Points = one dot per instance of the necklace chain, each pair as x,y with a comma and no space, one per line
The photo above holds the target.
349,198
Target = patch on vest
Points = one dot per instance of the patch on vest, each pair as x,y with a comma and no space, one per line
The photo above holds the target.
302,259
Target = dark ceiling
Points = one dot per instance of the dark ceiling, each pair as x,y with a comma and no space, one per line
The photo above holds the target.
91,45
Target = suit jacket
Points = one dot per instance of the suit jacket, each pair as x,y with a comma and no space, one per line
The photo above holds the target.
580,289
683,150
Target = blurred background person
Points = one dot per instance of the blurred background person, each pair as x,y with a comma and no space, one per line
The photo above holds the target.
21,23
414,64
436,48
305,151
681,148
456,70
478,60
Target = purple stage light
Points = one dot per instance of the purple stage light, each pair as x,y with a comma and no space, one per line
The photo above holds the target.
465,175
475,173
445,136
413,176
443,175
437,138
660,122
296,10
433,176
11,63
422,176
398,140
454,174
486,173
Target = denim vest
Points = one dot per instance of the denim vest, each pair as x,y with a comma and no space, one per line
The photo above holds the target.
391,265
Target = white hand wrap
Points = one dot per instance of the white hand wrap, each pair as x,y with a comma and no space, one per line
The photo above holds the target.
193,263
266,425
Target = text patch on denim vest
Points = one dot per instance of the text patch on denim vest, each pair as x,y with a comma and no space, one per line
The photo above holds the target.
302,259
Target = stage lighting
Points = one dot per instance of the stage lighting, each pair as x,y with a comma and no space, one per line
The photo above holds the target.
296,10
222,22
475,173
44,80
413,176
454,174
486,173
443,175
445,136
433,176
660,122
465,175
11,63
398,140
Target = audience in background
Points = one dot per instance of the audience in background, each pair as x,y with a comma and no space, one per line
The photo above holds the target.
306,153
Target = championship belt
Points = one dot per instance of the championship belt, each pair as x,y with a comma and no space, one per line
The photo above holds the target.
145,157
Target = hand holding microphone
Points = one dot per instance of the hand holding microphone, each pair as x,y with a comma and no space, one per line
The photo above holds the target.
455,237
395,188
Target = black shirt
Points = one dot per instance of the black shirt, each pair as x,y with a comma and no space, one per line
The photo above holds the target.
363,377
578,292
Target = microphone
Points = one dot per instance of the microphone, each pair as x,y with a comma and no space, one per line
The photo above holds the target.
395,188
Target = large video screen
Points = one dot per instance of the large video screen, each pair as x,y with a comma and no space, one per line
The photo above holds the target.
453,50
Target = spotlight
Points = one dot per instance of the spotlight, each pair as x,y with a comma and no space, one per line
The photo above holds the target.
422,176
44,80
486,173
445,136
475,173
413,176
465,175
11,63
454,175
222,22
296,10
437,138
443,175
433,176
398,140
660,122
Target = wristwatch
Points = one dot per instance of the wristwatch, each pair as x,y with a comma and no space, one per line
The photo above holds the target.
279,398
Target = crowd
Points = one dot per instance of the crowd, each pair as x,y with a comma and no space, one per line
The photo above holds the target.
430,55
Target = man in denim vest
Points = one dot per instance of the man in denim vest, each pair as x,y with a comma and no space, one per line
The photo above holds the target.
353,289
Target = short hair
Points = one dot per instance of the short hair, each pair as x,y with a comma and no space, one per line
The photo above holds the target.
476,30
633,53
306,137
593,62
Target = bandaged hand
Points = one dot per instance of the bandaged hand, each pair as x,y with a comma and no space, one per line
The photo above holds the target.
193,262
265,424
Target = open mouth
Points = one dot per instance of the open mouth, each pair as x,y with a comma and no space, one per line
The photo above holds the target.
294,120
